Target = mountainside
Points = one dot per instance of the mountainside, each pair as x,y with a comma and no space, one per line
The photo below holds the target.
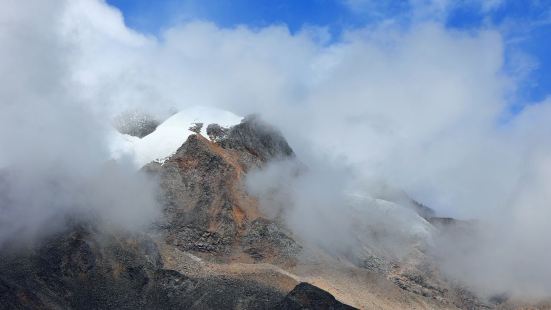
215,249
167,137
206,211
206,206
83,269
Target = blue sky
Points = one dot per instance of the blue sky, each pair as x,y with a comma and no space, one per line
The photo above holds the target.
524,24
151,16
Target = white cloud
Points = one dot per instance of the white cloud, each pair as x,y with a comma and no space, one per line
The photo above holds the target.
489,5
54,152
418,9
418,107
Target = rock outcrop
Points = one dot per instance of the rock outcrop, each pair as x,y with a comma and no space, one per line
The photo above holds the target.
136,123
80,269
206,206
83,268
306,296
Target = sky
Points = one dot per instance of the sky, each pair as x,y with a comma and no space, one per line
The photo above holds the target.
525,25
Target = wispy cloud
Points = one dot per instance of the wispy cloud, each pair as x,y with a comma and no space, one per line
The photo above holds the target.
419,9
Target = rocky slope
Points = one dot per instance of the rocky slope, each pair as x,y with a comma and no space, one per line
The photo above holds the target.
85,269
215,249
206,206
210,215
206,212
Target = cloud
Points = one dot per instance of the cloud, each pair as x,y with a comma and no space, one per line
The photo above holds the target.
54,158
418,107
328,205
416,10
491,5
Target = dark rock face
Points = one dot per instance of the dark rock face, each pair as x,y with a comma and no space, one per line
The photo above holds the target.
196,127
136,123
258,138
264,237
216,132
206,206
79,270
424,211
419,283
172,290
306,296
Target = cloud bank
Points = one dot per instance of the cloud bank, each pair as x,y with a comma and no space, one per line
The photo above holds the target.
54,161
423,108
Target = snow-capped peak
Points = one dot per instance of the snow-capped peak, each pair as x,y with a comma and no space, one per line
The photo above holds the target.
170,135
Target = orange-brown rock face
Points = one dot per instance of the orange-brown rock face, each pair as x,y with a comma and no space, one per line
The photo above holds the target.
206,205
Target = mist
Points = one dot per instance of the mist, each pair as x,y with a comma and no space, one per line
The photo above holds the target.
331,206
55,163
419,108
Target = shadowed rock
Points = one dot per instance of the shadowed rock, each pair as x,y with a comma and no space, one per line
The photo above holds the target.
216,132
258,138
136,123
306,296
83,269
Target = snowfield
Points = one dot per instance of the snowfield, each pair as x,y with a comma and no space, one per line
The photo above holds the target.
169,136
401,227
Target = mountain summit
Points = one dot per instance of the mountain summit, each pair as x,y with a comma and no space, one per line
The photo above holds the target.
215,248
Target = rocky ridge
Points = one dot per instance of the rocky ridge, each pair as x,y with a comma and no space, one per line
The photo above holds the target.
207,209
214,249
83,269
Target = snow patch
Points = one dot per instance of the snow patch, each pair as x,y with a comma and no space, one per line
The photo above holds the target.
404,226
169,136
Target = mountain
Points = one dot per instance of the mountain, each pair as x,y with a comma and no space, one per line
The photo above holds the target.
206,205
206,211
83,268
168,136
215,248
